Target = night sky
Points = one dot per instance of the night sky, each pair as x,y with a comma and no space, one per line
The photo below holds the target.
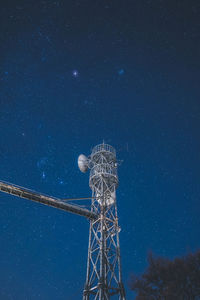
75,73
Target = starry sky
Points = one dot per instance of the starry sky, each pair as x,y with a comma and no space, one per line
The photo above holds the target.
75,73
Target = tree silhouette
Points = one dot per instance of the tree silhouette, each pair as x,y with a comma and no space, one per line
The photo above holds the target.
169,280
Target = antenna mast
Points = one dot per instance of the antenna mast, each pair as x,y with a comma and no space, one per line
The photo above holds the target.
103,279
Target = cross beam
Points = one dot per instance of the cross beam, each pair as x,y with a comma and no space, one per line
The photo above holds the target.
44,199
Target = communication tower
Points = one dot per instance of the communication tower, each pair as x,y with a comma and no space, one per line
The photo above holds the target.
103,277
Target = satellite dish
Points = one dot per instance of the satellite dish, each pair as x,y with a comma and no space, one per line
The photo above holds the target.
83,163
110,200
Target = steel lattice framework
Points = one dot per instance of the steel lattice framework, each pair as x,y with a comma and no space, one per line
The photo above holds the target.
103,279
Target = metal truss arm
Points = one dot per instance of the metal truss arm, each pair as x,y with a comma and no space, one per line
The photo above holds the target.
44,199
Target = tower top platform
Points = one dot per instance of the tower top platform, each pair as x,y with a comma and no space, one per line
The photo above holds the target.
103,148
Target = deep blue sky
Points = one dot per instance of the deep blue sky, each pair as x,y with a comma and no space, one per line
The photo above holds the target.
136,86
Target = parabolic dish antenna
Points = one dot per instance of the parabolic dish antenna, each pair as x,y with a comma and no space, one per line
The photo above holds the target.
83,163
109,200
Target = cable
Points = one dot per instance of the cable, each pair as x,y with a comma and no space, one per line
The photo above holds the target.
74,199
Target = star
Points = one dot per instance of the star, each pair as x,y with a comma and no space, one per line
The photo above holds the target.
75,73
121,72
43,175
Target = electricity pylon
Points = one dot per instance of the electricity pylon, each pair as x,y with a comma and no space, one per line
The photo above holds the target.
103,279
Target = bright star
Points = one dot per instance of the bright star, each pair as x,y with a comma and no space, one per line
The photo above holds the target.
75,73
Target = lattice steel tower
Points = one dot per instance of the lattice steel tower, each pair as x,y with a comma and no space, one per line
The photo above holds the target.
103,279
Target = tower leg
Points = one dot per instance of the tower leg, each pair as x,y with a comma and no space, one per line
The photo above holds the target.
103,279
